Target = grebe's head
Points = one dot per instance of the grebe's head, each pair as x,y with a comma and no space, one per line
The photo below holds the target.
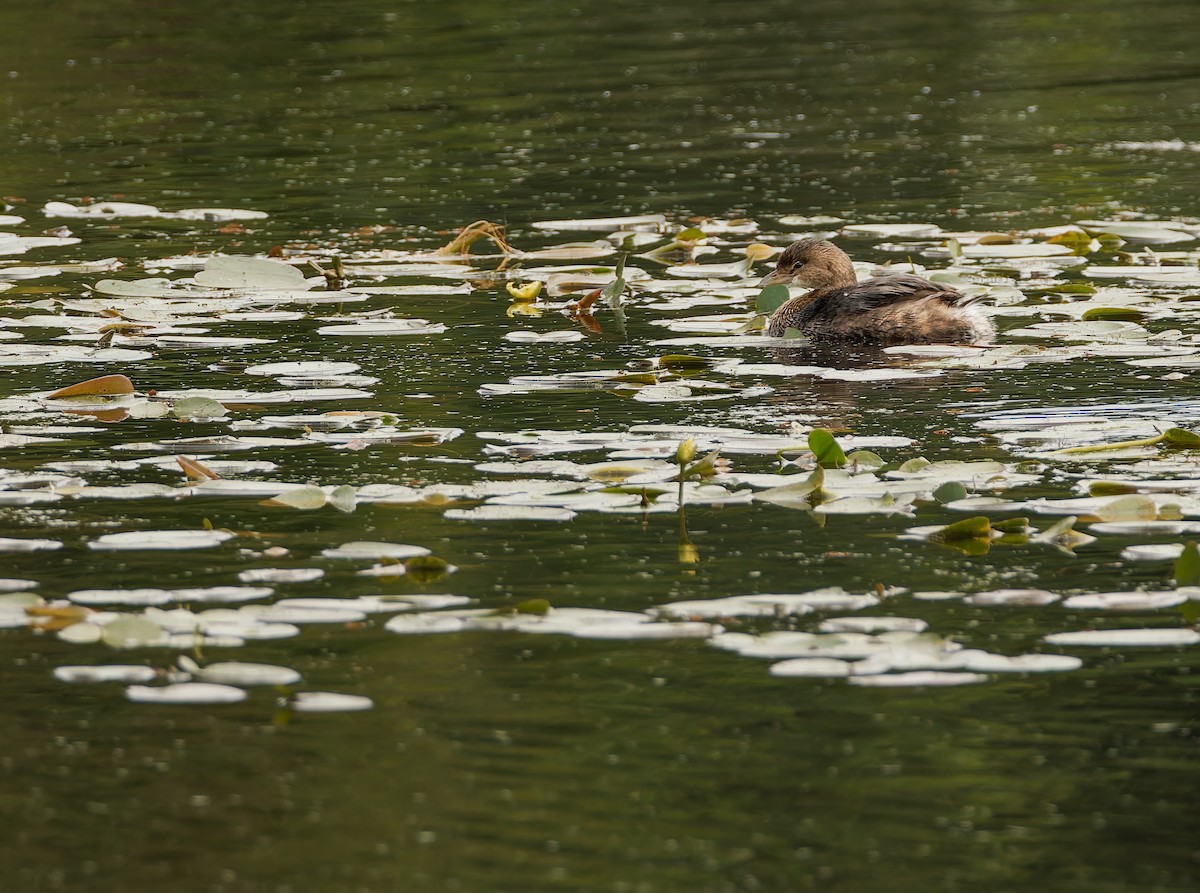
812,263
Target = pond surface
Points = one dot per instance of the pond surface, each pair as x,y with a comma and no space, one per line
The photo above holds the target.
605,759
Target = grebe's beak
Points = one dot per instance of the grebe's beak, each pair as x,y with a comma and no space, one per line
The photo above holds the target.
776,277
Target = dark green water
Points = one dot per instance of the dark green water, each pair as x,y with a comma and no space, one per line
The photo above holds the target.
508,762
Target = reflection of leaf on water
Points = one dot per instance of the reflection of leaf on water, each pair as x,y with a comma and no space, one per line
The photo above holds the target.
427,568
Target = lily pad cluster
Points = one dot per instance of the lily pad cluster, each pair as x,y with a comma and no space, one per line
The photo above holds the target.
1034,477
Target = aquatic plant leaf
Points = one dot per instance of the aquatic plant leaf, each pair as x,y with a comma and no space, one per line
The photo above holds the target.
1019,597
372,551
771,298
281,575
185,693
951,491
198,408
613,292
924,678
240,673
105,673
306,498
975,528
1181,438
104,386
130,631
250,272
605,224
1125,314
826,449
1187,567
309,369
679,362
1126,638
864,459
161,539
196,471
329,702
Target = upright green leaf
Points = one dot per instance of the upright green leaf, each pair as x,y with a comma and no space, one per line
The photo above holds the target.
1181,437
614,290
771,298
1187,567
826,449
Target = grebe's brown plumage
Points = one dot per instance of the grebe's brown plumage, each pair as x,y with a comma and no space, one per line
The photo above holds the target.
897,309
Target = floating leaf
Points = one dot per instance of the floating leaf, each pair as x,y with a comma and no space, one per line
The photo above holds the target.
186,693
864,459
679,362
129,631
1126,638
161,539
1127,314
106,673
305,498
198,408
951,491
239,673
975,528
329,702
104,386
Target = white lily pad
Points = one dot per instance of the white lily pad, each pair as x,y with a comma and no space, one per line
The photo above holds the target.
893,230
161,539
238,673
1127,601
185,693
250,272
329,702
15,544
303,369
1024,597
509,513
385,328
604,224
106,673
563,336
1164,637
375,551
924,678
281,575
815,667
